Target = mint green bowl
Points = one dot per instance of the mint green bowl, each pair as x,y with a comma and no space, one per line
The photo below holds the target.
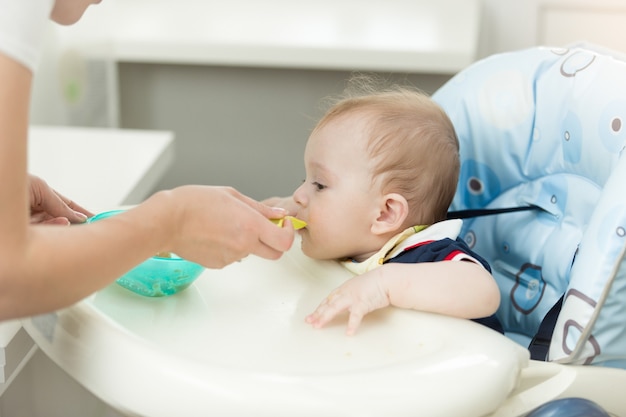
157,276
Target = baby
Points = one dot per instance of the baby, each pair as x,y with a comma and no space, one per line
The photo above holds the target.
381,171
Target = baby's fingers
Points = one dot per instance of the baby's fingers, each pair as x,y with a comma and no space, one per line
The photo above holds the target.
356,316
327,311
322,315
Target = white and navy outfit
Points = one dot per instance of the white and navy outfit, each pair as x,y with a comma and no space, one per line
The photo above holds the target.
435,243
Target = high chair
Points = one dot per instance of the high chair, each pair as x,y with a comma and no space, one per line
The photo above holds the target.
542,134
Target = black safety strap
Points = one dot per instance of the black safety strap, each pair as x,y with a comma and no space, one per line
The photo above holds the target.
469,213
540,345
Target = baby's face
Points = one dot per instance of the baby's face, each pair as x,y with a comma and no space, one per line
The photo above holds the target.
338,199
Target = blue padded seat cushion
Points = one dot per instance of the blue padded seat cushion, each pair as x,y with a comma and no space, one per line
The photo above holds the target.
547,127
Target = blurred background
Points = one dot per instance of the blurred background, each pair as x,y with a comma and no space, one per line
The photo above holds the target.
241,83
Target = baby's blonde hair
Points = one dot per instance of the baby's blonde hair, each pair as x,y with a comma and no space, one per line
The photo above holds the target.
411,140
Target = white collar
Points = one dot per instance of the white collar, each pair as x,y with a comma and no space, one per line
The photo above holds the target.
407,238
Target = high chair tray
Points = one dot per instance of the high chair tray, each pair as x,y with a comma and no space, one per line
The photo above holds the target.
235,342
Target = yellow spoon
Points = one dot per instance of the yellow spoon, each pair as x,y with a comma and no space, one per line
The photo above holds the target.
297,223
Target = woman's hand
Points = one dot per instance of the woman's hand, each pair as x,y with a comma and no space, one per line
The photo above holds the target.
286,203
49,207
215,226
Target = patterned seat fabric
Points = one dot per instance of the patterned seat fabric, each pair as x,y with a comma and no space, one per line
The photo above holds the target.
546,127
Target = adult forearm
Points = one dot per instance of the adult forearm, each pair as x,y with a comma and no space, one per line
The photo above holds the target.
59,265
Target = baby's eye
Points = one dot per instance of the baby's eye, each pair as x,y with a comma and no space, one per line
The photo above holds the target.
318,186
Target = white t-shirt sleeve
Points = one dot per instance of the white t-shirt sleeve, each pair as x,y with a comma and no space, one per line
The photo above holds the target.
23,24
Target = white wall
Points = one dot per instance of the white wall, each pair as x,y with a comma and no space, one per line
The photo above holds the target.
514,24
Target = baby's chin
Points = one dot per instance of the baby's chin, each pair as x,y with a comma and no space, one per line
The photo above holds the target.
319,252
308,249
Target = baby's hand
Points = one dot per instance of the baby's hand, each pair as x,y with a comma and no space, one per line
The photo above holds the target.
359,296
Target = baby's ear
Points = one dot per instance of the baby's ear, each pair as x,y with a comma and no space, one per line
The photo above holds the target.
393,212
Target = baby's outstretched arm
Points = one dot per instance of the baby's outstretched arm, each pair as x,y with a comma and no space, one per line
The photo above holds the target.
456,288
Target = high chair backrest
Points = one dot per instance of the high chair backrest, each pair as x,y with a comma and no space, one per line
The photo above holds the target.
546,128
